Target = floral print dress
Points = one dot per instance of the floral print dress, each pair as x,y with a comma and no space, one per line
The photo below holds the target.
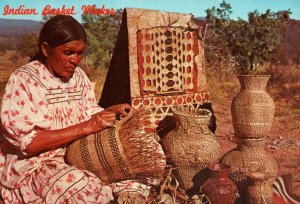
36,100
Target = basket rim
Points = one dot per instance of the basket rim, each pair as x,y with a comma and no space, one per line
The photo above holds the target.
200,113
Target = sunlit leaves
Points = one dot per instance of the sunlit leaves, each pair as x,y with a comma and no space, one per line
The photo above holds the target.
251,42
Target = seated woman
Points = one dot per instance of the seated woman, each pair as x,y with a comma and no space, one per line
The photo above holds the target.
48,103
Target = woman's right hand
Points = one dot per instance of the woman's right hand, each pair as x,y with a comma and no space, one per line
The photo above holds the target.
102,120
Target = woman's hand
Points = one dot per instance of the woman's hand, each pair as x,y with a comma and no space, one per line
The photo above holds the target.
102,120
108,116
122,109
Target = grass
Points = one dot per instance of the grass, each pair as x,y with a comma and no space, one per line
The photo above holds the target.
221,88
9,61
99,78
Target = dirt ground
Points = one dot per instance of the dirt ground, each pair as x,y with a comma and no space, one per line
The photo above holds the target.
283,141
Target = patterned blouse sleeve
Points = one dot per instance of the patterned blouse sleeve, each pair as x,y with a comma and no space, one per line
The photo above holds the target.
23,110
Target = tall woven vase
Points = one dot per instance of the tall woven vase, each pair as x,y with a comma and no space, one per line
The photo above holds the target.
253,108
253,112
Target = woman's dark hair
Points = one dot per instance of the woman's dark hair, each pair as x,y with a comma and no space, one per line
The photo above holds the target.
59,30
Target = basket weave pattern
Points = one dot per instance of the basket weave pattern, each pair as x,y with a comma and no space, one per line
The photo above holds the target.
253,108
250,158
260,192
124,151
253,112
191,146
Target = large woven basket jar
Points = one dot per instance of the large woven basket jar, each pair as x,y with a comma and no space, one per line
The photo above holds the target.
249,162
191,146
253,108
250,158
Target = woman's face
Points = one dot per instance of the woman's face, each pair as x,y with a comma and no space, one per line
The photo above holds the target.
62,60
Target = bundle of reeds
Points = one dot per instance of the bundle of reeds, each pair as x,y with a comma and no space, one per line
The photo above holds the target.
123,151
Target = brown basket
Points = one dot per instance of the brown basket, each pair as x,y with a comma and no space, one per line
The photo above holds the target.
250,158
191,146
260,192
253,108
124,151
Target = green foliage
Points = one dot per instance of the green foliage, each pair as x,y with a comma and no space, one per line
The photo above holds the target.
102,31
247,45
27,45
217,53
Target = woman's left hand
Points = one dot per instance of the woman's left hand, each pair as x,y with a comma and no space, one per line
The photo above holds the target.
122,109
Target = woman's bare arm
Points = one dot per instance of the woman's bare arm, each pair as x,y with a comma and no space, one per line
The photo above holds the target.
49,139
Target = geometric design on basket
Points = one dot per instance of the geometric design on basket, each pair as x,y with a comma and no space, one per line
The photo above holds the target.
85,154
123,151
116,152
191,146
253,109
101,156
107,161
166,60
245,127
161,106
251,159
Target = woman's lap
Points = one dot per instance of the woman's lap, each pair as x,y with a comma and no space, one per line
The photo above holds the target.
58,183
53,184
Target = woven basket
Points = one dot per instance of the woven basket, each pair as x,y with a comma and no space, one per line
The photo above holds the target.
250,158
124,151
191,146
252,109
260,192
